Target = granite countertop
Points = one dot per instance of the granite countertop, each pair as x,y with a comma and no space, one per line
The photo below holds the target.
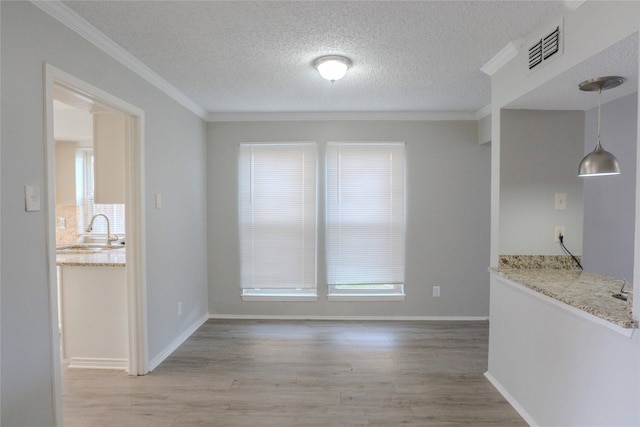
588,292
105,258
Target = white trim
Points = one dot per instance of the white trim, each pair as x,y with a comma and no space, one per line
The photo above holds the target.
380,297
98,363
54,371
483,112
627,332
366,292
573,4
501,58
135,219
494,221
512,401
326,116
73,83
156,361
281,298
356,318
75,22
49,203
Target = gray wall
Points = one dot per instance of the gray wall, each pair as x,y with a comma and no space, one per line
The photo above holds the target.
539,156
175,235
609,201
447,217
484,130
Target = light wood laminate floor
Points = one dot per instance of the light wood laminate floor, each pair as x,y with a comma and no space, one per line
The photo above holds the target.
303,373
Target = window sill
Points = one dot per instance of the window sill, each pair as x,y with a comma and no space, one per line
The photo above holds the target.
278,298
366,297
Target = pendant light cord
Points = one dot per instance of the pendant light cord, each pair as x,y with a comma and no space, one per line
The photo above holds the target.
599,107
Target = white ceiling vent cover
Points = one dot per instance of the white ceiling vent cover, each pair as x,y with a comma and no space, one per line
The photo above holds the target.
546,47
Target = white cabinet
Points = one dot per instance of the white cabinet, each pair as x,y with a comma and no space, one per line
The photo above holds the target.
65,172
93,303
109,135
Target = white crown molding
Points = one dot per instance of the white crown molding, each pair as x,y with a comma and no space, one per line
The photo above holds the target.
501,58
573,4
344,116
78,24
483,112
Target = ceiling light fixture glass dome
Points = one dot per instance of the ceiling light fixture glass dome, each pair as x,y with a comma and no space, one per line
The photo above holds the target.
332,67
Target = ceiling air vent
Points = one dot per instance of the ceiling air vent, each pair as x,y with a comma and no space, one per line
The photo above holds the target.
545,48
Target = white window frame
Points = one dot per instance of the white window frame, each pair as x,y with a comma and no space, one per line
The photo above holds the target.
364,291
369,292
281,294
85,187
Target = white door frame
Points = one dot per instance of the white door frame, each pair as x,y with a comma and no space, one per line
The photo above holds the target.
135,214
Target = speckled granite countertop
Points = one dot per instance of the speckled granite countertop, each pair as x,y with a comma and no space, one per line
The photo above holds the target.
588,292
106,258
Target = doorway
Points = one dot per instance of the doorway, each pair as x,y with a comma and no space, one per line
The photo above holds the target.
61,86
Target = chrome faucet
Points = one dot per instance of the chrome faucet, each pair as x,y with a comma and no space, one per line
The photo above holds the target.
109,238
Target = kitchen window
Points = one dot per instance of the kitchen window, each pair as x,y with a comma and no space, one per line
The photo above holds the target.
365,220
115,212
277,215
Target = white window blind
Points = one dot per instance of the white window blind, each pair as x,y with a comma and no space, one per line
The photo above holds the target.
277,207
365,213
115,212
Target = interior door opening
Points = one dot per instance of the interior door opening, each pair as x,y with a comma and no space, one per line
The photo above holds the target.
94,153
90,231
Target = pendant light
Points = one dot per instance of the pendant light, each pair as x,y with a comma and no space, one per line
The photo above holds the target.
599,161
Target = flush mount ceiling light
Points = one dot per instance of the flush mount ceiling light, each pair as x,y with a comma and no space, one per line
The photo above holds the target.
599,161
332,67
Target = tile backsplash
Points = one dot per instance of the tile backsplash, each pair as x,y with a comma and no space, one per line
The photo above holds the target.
69,234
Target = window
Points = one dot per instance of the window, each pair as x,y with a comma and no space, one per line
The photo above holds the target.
365,219
115,212
277,204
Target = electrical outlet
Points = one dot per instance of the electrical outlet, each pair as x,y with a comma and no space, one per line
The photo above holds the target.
557,231
180,308
436,291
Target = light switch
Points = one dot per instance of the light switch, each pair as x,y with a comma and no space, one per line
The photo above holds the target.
158,200
32,198
561,201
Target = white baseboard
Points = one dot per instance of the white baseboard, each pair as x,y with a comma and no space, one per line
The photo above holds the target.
98,363
512,401
363,318
176,343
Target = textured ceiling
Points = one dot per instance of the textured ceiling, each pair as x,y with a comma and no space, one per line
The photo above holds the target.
256,56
